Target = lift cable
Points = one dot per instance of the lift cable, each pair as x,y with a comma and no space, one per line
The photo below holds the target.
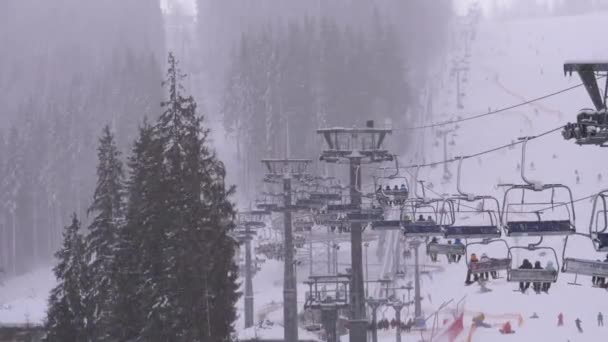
451,160
497,111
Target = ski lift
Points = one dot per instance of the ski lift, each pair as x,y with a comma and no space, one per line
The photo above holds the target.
387,196
599,239
598,232
418,208
303,223
365,216
328,219
585,267
515,274
538,227
492,265
309,203
491,230
252,219
445,248
591,127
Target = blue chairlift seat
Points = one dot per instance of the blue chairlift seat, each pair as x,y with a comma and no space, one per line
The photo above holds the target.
268,206
492,265
320,196
446,249
342,208
586,267
472,232
254,224
364,217
422,229
310,203
301,225
328,219
397,193
539,228
387,225
532,275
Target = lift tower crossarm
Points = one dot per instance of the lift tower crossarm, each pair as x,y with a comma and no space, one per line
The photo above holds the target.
588,70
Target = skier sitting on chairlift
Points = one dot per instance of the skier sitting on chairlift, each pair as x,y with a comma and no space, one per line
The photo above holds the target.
537,285
457,242
433,255
421,218
476,276
547,285
526,265
485,275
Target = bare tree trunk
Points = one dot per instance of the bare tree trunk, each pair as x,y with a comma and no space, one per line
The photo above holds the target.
14,244
35,228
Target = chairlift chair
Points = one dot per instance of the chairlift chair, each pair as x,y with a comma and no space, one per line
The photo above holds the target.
515,274
445,249
491,230
425,207
584,267
597,232
328,219
538,227
494,264
303,223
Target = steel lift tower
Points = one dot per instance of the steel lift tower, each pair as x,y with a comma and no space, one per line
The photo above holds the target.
247,223
287,169
357,146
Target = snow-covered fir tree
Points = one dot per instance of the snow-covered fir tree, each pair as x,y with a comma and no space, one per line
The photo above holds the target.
201,276
67,314
142,244
108,210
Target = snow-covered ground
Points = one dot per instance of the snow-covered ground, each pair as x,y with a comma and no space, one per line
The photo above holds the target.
24,299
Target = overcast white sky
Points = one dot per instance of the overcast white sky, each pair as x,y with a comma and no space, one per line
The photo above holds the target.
462,5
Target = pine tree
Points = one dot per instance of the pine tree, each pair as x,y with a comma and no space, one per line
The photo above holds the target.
202,288
66,313
103,232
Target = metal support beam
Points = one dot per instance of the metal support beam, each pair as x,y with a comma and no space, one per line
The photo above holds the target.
358,322
419,320
329,318
290,296
248,280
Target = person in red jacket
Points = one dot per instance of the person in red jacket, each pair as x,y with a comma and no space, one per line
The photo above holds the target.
560,320
506,328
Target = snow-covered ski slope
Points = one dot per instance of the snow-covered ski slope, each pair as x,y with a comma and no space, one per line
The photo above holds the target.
23,299
512,62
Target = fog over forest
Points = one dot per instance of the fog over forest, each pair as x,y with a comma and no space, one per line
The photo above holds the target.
256,68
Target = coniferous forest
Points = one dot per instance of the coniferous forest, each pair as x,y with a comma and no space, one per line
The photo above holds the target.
157,253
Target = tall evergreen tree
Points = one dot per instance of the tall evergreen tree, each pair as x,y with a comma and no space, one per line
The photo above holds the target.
66,313
139,256
201,286
108,209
